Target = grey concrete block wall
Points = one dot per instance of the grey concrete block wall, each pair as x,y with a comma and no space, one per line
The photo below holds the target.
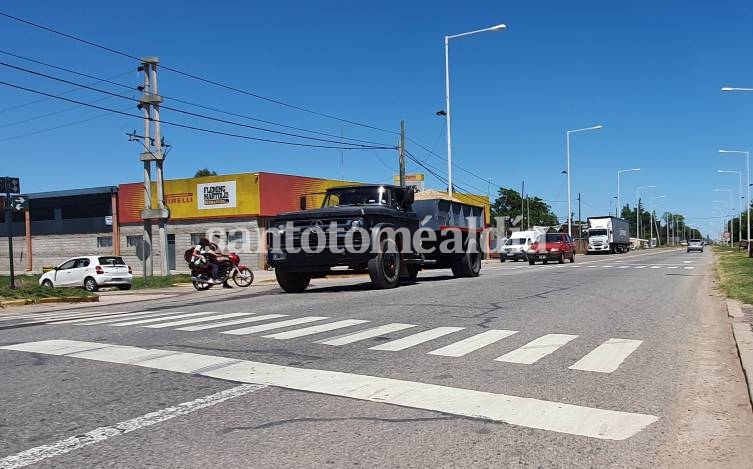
52,249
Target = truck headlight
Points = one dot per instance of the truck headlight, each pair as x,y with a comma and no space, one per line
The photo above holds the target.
281,228
357,223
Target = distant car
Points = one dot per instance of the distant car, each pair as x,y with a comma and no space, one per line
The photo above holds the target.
90,272
552,247
683,243
695,245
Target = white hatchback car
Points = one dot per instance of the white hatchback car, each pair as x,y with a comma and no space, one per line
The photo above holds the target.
90,272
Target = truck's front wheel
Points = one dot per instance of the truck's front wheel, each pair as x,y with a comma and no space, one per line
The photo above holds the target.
384,268
292,282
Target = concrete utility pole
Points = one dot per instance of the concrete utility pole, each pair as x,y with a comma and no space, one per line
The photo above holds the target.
402,153
149,103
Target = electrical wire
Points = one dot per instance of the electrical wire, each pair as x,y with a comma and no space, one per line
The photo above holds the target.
209,108
181,111
191,127
50,129
195,77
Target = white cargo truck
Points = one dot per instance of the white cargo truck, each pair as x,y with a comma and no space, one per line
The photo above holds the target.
608,234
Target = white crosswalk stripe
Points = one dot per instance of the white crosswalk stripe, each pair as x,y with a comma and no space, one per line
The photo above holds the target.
311,330
608,356
536,349
688,268
57,319
656,267
367,334
639,267
415,339
105,318
183,322
217,325
160,319
624,267
672,267
471,344
274,325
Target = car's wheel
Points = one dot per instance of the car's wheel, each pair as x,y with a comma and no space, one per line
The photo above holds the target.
90,284
292,282
572,258
501,259
124,287
243,277
531,262
561,259
384,268
47,283
468,264
545,261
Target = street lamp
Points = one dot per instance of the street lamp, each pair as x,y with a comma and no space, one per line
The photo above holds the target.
729,213
638,211
618,187
569,200
499,27
740,193
653,218
747,170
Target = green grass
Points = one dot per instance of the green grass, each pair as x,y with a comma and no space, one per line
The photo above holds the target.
159,282
735,273
27,288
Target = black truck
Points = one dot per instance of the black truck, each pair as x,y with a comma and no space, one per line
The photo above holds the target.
379,229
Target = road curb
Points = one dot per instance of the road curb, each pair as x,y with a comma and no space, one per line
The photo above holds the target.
744,341
30,301
734,310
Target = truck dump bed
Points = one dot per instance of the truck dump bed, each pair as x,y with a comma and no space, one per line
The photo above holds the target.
448,213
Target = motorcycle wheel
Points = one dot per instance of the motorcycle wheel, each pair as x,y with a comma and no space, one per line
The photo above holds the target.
201,286
243,277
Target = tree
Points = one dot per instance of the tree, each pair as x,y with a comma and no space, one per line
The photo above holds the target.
204,172
508,205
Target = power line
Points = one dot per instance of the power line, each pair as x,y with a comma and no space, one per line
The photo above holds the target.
191,127
50,129
195,77
42,116
194,114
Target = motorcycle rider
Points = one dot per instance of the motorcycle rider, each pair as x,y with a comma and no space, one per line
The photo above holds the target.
204,254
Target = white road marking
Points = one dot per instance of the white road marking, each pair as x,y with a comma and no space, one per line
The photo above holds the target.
606,266
656,267
161,318
687,262
216,325
466,346
536,349
639,267
40,453
315,329
109,318
415,339
624,267
367,334
522,411
33,319
183,322
274,325
593,266
608,356
672,267
689,268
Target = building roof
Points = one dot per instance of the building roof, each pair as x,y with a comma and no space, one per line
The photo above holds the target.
73,192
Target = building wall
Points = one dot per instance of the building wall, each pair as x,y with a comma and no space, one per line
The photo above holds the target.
245,229
50,250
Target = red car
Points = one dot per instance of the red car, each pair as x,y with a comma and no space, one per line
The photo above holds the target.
552,247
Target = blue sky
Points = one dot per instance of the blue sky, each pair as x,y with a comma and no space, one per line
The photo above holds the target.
649,71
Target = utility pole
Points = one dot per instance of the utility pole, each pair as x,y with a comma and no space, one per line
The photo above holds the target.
402,153
522,203
580,222
9,225
149,103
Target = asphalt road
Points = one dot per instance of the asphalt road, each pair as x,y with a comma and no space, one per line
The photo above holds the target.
613,361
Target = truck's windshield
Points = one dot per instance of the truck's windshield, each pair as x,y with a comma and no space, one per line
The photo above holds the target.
357,196
515,242
598,232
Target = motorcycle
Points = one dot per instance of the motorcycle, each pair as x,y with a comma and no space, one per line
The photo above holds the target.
229,267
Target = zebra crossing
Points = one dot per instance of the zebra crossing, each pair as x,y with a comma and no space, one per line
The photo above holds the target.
604,358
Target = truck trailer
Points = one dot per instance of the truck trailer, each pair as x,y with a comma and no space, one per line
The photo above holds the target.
608,234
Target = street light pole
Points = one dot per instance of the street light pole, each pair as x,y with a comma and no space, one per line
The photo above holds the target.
617,211
499,27
731,207
747,170
638,211
569,198
740,194
653,218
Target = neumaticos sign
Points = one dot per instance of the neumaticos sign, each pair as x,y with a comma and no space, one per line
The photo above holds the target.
215,195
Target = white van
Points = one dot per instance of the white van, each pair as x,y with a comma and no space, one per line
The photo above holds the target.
516,247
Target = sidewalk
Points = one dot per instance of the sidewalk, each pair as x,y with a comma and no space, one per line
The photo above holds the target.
741,316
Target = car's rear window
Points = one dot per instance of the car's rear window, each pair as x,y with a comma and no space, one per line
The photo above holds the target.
695,240
553,238
111,260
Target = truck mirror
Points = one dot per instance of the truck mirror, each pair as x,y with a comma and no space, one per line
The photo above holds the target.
302,202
